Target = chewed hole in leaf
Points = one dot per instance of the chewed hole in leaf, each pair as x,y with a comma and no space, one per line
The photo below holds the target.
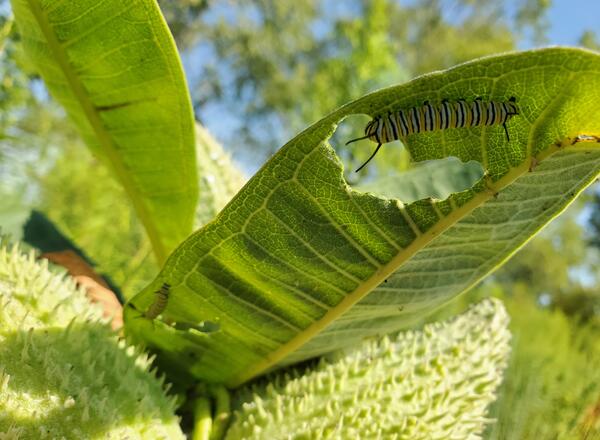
299,263
436,179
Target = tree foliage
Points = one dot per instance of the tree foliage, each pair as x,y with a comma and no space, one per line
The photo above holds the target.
290,63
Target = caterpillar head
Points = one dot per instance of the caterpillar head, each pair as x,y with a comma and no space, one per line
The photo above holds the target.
513,109
371,130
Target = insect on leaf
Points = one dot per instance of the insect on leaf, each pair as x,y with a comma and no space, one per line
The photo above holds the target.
299,263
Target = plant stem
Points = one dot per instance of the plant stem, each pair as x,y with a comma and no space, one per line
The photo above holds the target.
202,419
220,394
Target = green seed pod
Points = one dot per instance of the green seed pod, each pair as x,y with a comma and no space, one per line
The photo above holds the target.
63,372
430,384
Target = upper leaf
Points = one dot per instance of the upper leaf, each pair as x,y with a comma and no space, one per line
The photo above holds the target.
299,264
113,65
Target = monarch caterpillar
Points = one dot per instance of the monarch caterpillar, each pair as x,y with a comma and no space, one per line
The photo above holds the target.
160,303
399,124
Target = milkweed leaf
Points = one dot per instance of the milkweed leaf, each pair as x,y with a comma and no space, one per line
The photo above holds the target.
299,264
114,67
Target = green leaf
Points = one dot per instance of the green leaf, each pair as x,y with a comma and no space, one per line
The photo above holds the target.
435,383
5,27
299,264
114,67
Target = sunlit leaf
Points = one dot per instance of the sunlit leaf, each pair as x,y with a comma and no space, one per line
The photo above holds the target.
114,67
299,264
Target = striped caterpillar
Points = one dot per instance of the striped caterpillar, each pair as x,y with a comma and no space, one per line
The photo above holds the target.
401,123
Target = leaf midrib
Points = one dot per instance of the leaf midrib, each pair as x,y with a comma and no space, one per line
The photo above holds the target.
102,134
384,271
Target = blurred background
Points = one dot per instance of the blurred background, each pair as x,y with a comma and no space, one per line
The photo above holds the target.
260,71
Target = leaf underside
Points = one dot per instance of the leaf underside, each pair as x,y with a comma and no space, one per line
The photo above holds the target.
299,264
114,67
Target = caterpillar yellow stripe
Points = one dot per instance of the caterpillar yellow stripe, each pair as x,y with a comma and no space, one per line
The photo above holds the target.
428,117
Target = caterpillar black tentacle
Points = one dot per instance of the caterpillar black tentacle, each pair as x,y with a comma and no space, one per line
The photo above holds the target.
399,124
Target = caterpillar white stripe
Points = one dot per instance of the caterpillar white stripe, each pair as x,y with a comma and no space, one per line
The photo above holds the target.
402,123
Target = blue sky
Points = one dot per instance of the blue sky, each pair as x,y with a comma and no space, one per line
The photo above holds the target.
569,18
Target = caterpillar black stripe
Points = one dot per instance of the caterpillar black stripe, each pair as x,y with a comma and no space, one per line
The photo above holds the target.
399,124
160,302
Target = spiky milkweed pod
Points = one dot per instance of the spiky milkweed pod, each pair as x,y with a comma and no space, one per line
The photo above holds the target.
63,372
430,384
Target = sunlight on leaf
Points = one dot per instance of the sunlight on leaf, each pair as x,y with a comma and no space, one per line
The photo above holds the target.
299,264
114,67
